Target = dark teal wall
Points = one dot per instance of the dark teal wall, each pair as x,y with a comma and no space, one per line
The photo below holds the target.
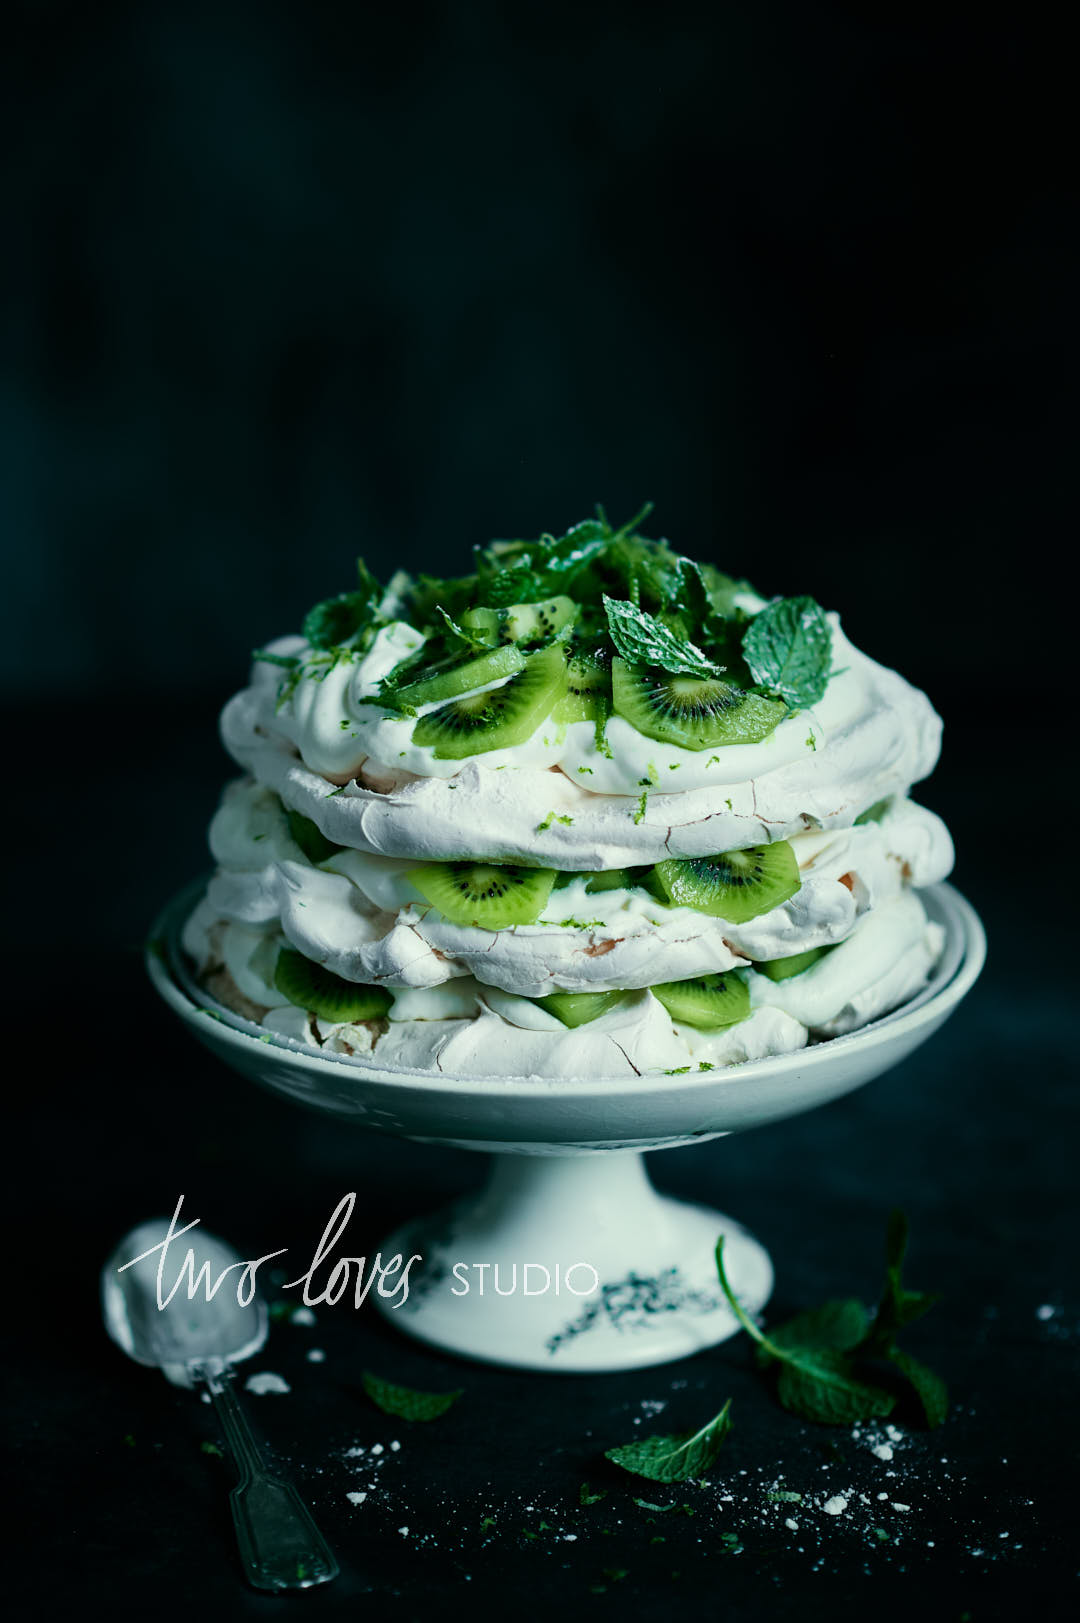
285,282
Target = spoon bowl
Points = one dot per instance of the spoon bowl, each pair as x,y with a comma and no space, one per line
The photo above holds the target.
203,1322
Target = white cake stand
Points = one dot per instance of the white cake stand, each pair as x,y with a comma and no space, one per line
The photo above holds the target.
569,1259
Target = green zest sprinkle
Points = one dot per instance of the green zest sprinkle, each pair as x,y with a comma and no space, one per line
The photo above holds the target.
553,817
641,805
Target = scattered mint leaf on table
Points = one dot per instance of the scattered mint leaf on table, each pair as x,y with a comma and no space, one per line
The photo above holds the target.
788,647
929,1388
642,639
404,1402
677,1458
816,1382
823,1354
588,1497
898,1307
841,1325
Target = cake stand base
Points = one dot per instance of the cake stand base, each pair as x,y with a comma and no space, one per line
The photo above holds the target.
573,1264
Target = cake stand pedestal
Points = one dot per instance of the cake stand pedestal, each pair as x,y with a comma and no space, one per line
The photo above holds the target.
574,1263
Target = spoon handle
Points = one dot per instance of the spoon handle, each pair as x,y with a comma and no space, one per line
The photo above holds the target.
280,1545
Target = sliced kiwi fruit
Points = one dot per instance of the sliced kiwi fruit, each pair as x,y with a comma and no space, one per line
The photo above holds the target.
623,879
782,969
708,1001
500,718
440,683
608,879
310,838
490,895
694,712
588,689
313,986
736,885
522,622
578,1008
874,813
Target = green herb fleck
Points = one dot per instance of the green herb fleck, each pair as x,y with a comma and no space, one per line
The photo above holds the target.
587,769
586,1496
488,1521
781,1496
405,1403
212,1449
641,805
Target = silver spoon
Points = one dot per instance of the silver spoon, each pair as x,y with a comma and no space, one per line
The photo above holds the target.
196,1342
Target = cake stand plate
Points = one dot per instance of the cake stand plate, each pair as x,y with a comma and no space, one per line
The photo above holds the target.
569,1260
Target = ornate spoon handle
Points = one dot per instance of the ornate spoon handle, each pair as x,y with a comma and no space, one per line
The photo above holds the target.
280,1545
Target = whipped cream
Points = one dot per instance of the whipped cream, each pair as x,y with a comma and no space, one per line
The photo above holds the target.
362,917
563,805
474,1030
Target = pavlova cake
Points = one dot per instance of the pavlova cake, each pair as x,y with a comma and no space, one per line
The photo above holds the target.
592,810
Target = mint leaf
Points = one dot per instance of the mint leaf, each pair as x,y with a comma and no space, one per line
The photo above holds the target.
661,1510
841,1325
675,1459
929,1388
817,1383
788,647
517,583
460,635
641,639
587,1497
338,619
821,1386
404,1402
898,1306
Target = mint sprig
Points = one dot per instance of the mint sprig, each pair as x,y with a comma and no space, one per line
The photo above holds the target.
339,619
642,639
405,1403
825,1357
788,647
677,1458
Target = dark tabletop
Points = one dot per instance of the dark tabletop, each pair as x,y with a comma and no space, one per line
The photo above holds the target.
284,283
124,1504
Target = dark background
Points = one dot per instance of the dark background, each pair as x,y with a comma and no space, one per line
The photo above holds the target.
282,284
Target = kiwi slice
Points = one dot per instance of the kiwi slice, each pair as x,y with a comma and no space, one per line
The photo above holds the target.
608,879
782,969
310,838
501,717
707,1001
622,879
313,986
578,1008
874,813
490,895
521,622
447,683
693,712
736,885
588,690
